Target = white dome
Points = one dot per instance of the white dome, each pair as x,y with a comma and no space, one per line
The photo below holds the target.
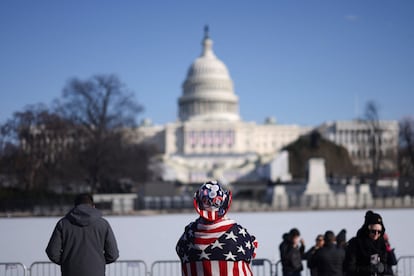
208,89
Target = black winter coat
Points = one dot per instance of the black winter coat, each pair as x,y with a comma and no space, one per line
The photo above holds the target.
291,257
359,252
82,243
329,260
308,256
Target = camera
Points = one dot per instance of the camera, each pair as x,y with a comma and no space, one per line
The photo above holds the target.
376,265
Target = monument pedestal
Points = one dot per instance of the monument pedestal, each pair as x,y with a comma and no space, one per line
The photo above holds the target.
317,183
280,199
365,199
351,198
317,193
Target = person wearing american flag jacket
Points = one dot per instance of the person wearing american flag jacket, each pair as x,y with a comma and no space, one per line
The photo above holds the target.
214,244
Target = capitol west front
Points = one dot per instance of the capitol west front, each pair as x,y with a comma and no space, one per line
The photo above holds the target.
210,140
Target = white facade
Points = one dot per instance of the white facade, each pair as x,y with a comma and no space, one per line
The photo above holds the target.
210,140
355,136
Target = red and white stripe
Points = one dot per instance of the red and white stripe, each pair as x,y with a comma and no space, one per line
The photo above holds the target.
207,234
219,268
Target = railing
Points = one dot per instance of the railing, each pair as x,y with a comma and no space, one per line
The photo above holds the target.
12,269
288,201
405,266
170,268
278,269
260,267
119,268
127,268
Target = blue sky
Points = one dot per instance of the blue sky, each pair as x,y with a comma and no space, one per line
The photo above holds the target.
303,62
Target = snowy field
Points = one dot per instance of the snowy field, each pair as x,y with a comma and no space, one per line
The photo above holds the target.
151,238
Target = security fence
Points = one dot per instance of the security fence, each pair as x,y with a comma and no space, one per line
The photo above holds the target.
260,267
405,266
12,269
278,269
127,268
172,268
44,269
118,268
285,202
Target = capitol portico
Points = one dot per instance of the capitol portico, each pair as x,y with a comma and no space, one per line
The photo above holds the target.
210,140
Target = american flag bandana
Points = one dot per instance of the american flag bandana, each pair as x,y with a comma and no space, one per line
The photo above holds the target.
222,248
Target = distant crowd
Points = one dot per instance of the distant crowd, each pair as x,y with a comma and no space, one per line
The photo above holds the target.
83,242
369,253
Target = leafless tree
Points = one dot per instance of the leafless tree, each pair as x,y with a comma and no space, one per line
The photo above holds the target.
406,153
102,106
373,121
31,146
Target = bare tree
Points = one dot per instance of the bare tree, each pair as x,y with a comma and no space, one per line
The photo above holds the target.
31,145
373,121
102,106
406,153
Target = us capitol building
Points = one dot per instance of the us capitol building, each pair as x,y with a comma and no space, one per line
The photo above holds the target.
210,140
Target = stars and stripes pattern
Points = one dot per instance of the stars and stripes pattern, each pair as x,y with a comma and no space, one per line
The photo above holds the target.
210,215
222,248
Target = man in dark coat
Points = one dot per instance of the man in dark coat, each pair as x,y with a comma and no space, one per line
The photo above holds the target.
329,260
292,252
366,254
82,242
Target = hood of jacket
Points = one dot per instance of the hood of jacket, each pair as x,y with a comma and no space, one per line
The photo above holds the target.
83,215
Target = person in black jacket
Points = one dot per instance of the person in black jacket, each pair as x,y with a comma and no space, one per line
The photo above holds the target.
82,242
319,242
366,254
329,260
291,253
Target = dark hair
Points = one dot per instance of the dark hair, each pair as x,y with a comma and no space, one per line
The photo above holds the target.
329,237
83,199
294,232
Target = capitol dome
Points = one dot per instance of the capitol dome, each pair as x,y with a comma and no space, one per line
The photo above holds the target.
208,93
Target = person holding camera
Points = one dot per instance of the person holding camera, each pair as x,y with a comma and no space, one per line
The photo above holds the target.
292,251
366,254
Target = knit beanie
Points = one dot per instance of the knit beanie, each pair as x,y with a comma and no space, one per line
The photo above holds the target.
373,218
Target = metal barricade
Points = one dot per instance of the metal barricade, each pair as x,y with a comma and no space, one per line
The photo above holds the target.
405,266
127,268
262,267
278,269
162,268
118,268
12,269
44,269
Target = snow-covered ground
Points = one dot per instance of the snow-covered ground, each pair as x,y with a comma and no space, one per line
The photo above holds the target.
151,238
